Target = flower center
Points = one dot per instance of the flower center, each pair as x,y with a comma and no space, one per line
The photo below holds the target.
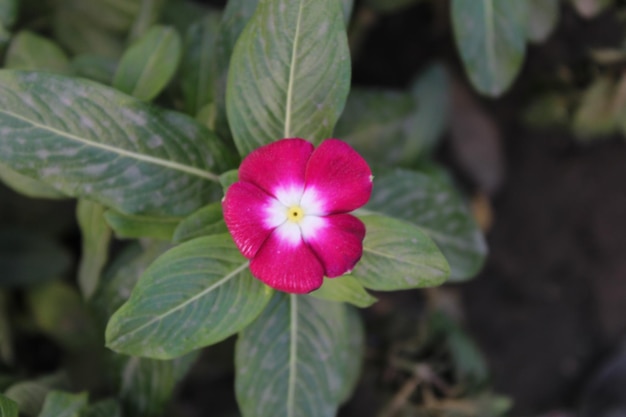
295,214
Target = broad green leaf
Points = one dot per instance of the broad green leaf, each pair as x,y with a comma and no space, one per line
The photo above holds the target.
59,312
208,220
94,67
195,295
28,258
96,236
149,13
289,74
491,38
181,13
30,51
116,16
431,92
128,226
347,6
146,386
543,16
596,114
149,64
198,71
345,289
26,185
105,408
374,123
29,397
236,15
5,38
437,208
8,12
350,355
291,361
8,407
229,178
63,404
398,256
110,147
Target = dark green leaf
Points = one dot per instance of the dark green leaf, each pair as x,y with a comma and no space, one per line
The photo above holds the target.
149,13
95,142
28,258
289,73
105,408
229,178
96,236
398,256
347,5
198,71
437,208
350,355
291,361
149,64
94,67
33,52
208,220
194,295
63,404
146,385
8,408
344,289
8,12
29,397
127,226
491,38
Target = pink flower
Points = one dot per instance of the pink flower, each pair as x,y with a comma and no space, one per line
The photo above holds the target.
288,212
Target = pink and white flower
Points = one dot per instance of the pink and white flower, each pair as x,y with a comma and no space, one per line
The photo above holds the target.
288,212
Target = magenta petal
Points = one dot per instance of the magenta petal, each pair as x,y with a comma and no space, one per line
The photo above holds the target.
279,165
339,244
340,176
245,213
287,267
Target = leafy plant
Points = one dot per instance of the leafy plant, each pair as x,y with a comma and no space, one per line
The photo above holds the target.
142,111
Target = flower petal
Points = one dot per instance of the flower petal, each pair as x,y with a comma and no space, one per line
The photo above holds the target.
338,176
286,266
278,166
250,215
338,244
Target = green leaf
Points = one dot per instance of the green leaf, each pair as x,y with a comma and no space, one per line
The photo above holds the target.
8,408
33,52
208,220
110,147
128,226
8,12
597,114
149,13
347,6
437,208
196,294
491,38
350,354
542,19
59,312
28,258
345,289
198,70
63,404
228,178
94,67
27,186
149,64
105,408
96,236
289,73
398,256
146,386
29,397
289,362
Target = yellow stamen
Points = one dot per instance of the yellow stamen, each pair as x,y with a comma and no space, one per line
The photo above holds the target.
295,214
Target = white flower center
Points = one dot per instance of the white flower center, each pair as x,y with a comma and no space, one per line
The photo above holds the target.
296,214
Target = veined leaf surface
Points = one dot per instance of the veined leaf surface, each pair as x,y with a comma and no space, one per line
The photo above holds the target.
289,73
91,141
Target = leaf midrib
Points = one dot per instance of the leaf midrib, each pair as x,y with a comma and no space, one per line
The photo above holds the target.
122,152
292,74
293,353
201,294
